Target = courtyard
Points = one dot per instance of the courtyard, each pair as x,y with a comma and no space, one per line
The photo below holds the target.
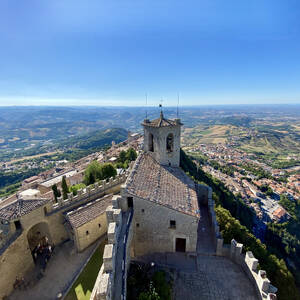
63,267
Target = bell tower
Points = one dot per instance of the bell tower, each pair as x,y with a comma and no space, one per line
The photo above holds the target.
162,140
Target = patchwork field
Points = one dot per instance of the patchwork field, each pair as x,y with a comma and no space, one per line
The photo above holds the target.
277,139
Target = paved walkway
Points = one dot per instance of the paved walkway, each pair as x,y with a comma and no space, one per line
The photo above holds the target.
204,276
216,278
63,265
205,244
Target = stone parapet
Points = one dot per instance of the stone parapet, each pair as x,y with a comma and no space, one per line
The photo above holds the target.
110,280
249,263
108,258
89,193
234,252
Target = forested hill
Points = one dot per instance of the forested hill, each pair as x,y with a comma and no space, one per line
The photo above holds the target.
96,138
70,149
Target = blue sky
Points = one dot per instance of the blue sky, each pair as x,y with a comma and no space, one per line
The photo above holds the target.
63,52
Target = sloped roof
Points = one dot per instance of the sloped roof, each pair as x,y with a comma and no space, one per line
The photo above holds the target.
88,212
168,186
279,212
20,208
161,122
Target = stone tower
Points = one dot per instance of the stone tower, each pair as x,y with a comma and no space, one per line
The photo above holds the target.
162,140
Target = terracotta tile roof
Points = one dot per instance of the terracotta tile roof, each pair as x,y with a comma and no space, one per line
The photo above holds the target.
161,122
20,208
31,179
279,213
88,212
168,186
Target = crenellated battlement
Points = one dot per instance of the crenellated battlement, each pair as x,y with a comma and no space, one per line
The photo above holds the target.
234,252
111,279
89,193
249,263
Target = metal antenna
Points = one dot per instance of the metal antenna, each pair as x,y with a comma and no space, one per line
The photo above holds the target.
177,104
161,111
146,105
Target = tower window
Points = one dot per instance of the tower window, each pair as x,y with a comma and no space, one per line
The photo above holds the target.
18,225
170,142
87,232
172,224
151,145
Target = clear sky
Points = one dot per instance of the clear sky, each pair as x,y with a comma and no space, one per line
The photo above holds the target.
72,52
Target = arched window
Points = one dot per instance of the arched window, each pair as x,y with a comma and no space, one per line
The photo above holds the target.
151,145
170,142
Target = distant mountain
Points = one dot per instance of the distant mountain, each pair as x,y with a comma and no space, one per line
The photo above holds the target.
96,139
30,127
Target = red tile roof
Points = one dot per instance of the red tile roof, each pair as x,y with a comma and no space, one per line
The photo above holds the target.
20,208
88,212
168,186
161,122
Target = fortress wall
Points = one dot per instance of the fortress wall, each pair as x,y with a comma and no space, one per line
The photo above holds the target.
249,264
105,287
94,232
129,250
247,261
91,192
151,228
205,198
7,231
15,261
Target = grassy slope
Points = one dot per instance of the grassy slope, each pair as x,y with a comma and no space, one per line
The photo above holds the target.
83,286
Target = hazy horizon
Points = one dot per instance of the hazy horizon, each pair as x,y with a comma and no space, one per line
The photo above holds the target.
151,106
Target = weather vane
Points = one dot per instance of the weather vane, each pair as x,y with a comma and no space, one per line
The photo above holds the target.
160,105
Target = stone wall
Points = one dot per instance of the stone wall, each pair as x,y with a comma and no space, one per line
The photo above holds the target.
249,263
88,233
205,198
160,153
152,231
104,287
90,193
16,258
234,251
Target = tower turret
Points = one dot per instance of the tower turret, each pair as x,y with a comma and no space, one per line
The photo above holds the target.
162,140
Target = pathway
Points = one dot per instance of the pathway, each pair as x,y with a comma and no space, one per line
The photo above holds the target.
205,244
62,267
216,278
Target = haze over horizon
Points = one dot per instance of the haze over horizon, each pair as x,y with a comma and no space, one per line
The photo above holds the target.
112,53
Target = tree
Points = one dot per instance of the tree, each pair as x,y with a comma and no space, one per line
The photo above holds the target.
64,187
131,154
92,172
122,156
151,294
56,192
107,171
76,187
96,171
